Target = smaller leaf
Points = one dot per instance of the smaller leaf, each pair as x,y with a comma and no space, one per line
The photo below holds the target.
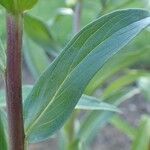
92,103
97,119
123,126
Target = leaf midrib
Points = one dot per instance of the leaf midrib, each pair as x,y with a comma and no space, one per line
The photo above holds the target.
36,120
56,93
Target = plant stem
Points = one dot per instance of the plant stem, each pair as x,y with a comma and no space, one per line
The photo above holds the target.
14,82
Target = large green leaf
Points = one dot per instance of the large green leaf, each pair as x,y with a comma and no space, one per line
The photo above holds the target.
92,103
3,136
142,138
60,87
16,6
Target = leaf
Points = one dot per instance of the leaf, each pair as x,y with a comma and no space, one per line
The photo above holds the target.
123,126
95,120
43,37
18,6
8,4
3,136
142,139
92,103
60,87
123,81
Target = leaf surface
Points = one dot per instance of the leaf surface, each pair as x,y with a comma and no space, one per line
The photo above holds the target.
59,89
92,103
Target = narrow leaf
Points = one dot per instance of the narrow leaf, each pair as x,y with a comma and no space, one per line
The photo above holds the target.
92,103
95,120
123,126
60,87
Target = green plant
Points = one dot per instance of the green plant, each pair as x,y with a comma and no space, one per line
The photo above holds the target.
82,66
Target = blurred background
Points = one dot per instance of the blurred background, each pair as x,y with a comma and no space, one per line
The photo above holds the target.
124,82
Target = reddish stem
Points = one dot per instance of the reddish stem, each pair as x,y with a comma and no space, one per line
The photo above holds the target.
14,83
